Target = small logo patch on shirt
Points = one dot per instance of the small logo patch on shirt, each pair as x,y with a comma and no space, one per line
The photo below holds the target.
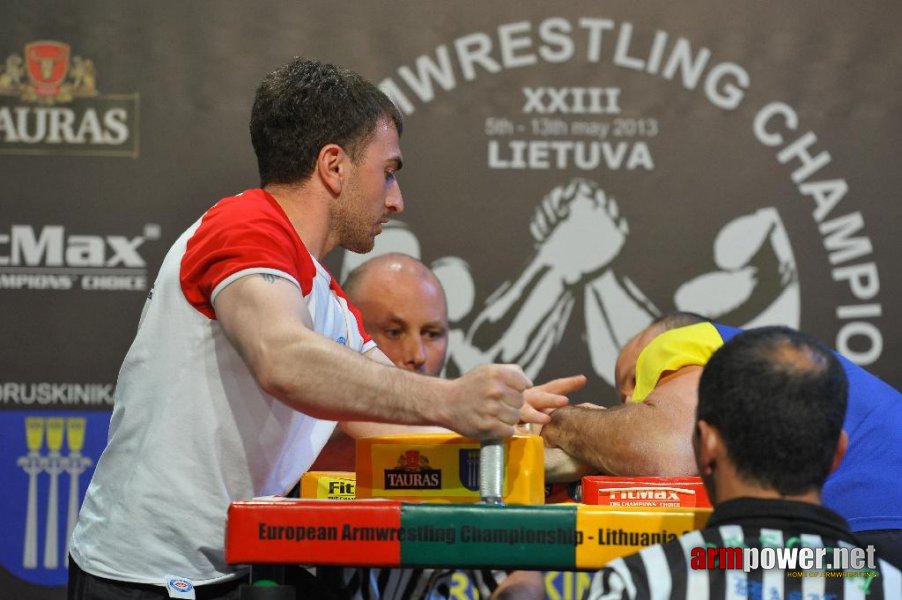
179,587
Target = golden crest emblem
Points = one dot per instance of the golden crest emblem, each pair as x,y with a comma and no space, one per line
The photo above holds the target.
48,74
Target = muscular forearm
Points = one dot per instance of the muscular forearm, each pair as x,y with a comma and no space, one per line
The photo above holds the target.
273,333
329,381
363,429
626,440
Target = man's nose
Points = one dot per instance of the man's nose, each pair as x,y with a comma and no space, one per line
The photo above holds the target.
414,352
394,201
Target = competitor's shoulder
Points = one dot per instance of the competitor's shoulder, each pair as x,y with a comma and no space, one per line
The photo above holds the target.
240,235
253,218
253,204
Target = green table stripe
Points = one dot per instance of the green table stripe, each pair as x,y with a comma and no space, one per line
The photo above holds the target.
473,535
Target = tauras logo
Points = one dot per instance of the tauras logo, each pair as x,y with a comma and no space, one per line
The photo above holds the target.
48,257
31,120
412,472
430,479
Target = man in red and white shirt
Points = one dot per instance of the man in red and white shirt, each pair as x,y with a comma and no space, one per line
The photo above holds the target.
247,350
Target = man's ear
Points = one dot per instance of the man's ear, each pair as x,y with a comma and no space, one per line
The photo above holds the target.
710,447
841,446
331,167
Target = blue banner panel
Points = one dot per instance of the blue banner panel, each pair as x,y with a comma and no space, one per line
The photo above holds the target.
46,463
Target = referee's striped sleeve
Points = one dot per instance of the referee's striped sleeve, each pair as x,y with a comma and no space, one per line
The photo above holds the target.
613,582
696,580
657,572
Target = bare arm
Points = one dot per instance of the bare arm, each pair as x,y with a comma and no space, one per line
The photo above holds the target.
560,467
270,326
653,437
548,396
362,429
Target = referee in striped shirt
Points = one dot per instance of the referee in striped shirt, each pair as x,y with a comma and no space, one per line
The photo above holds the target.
768,432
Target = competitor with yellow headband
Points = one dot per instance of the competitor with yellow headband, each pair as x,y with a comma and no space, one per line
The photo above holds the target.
657,377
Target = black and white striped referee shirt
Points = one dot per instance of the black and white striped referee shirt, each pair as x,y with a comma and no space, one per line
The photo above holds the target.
665,571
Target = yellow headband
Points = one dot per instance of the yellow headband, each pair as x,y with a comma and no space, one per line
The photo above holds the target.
671,351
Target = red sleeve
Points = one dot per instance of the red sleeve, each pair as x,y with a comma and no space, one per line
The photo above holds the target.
247,232
333,285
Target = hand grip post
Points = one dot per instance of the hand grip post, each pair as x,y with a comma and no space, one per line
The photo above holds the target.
491,471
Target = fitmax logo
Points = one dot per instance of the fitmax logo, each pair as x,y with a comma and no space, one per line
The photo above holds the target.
342,488
24,246
644,494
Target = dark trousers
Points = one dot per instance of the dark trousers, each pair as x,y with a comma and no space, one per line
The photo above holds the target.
84,586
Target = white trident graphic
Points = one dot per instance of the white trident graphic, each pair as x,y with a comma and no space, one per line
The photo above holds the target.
33,465
53,464
57,428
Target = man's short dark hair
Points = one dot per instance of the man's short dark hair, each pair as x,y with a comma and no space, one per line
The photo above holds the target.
305,105
778,398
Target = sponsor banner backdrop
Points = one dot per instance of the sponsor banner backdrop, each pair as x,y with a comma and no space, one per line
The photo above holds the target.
572,170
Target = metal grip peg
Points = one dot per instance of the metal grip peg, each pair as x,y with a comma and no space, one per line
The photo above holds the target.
491,472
